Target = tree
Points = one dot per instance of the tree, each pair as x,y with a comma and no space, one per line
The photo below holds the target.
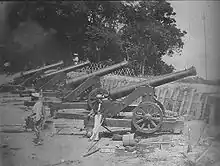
142,31
151,27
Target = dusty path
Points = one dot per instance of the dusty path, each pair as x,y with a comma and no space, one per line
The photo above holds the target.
20,150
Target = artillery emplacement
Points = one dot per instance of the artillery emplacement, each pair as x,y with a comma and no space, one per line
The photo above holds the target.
76,90
21,79
49,81
149,116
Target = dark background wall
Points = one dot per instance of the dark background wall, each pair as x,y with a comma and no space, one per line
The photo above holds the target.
29,39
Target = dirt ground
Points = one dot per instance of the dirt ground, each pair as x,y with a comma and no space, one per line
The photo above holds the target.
17,147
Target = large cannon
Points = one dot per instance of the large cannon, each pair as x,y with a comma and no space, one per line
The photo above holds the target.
42,69
22,78
79,87
50,80
148,116
76,90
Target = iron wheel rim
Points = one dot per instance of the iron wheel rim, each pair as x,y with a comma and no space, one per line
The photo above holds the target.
147,117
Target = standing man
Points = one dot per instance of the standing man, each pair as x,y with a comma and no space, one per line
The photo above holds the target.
75,58
38,116
6,67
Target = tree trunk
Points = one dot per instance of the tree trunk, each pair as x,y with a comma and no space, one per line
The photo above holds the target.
99,56
143,65
143,68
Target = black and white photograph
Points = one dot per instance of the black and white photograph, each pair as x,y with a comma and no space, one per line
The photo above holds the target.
110,83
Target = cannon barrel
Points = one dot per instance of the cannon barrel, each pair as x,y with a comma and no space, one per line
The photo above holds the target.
19,77
102,72
26,73
67,69
126,90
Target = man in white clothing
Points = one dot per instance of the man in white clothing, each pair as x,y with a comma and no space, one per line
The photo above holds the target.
38,116
98,118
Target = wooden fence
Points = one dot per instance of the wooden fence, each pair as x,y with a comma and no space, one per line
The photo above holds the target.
185,101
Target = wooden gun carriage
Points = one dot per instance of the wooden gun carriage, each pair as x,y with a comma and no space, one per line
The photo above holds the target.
147,117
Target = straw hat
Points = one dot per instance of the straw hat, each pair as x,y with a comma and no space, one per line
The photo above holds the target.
99,96
37,95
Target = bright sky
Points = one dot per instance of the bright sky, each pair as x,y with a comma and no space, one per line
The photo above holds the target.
189,18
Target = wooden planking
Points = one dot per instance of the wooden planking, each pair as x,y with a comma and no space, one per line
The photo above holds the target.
164,96
190,101
174,99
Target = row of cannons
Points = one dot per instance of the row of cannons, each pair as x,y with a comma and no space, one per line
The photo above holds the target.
80,92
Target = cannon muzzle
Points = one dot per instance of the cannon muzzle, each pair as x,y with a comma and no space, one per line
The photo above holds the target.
126,90
102,72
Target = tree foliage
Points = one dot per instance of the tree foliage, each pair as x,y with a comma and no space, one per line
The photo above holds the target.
142,31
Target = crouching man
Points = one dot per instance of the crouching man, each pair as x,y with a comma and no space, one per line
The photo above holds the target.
37,118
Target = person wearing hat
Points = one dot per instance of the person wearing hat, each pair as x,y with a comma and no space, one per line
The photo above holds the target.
98,118
6,67
35,96
38,115
75,58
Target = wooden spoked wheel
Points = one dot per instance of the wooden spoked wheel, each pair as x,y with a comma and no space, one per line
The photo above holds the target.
147,118
93,101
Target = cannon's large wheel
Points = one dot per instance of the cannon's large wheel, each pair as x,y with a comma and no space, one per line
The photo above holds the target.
92,99
147,118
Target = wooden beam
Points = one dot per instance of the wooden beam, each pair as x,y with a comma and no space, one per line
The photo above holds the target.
58,104
176,126
173,126
70,105
79,114
128,115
